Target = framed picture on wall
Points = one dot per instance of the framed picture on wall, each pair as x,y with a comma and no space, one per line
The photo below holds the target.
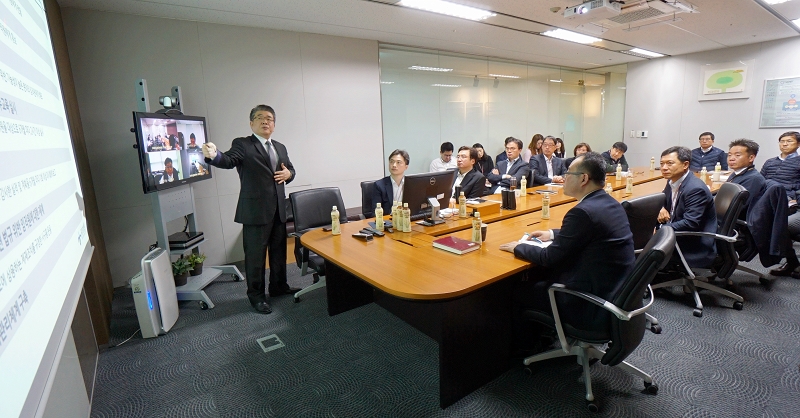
780,107
726,80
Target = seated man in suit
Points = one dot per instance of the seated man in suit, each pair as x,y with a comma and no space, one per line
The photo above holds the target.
592,252
512,167
785,168
707,155
170,173
390,188
445,160
689,206
616,155
546,167
741,157
468,177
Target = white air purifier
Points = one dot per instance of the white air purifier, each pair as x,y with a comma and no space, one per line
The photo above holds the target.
154,294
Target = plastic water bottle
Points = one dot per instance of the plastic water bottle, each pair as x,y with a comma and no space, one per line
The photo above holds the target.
523,186
406,218
717,172
652,163
704,175
546,206
476,228
378,217
336,228
629,183
619,172
609,189
462,206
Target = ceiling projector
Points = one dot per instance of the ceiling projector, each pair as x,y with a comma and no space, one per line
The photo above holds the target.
592,10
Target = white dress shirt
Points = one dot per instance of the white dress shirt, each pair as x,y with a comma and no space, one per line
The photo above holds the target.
439,165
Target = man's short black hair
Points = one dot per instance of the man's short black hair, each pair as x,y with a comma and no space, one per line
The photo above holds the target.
514,140
752,146
445,147
167,161
191,136
684,154
550,137
793,134
620,146
473,153
706,134
402,153
593,164
261,108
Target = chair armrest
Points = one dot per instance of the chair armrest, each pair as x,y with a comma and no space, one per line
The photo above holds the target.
741,222
594,299
708,234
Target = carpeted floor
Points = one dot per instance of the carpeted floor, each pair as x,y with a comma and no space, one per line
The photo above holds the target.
368,363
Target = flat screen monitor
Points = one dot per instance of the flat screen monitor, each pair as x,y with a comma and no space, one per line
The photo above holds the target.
418,188
170,152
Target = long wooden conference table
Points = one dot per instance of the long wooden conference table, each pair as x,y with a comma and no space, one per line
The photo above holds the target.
461,301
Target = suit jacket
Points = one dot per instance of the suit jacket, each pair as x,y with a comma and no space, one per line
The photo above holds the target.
592,252
472,185
694,211
260,195
518,170
754,182
382,192
708,159
538,167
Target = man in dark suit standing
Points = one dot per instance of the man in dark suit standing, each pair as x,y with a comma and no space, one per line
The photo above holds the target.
264,168
689,206
546,167
512,167
592,252
467,177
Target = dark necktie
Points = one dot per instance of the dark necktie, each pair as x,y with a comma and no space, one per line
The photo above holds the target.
273,159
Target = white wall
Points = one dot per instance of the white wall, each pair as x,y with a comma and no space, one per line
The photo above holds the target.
662,98
324,90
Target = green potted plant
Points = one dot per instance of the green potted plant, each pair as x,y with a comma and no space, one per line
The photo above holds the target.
196,260
180,270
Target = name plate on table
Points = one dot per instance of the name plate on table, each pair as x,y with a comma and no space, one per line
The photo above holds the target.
485,208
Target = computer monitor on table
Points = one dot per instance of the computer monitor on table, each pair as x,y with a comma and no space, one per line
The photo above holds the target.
418,188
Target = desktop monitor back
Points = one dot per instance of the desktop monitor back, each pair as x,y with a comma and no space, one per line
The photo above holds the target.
418,188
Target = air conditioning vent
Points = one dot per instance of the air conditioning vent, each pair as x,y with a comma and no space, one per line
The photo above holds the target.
637,15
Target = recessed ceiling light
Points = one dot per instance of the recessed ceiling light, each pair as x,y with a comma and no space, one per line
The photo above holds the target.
796,22
571,36
441,70
447,8
557,81
775,1
446,85
387,82
646,52
503,76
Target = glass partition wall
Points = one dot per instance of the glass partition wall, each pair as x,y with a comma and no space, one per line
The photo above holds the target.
431,97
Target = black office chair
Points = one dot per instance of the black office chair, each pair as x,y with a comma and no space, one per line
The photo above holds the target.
367,207
643,217
728,203
625,328
312,209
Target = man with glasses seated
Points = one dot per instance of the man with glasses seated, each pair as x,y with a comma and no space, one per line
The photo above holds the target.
707,155
468,177
511,168
592,252
546,167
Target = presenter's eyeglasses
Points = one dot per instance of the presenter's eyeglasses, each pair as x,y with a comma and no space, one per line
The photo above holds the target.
260,118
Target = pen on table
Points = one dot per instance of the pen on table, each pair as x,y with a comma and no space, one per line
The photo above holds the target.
524,237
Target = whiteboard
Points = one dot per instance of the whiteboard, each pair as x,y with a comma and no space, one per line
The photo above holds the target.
780,106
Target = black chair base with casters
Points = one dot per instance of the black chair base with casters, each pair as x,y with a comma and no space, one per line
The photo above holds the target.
624,330
312,209
642,215
728,203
